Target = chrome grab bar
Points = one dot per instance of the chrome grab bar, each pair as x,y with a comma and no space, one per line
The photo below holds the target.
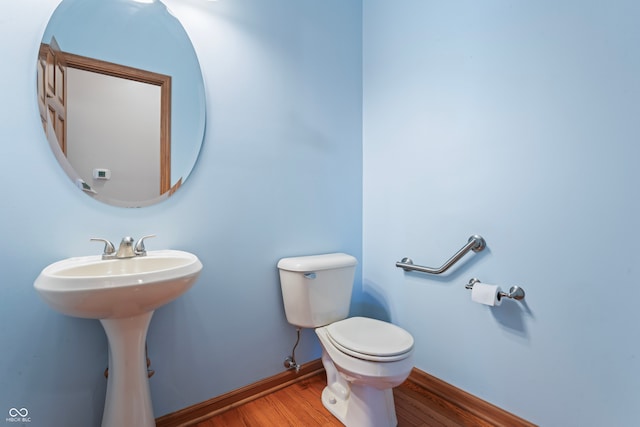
476,243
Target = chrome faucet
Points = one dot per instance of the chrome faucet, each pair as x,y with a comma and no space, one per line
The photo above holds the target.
126,249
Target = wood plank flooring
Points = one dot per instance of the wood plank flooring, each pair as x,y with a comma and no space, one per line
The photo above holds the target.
299,405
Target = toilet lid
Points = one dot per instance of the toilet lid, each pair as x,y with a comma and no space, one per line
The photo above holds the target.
370,339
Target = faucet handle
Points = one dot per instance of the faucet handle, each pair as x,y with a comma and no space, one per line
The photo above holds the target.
139,248
109,249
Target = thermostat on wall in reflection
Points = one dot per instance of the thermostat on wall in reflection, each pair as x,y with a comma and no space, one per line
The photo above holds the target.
101,174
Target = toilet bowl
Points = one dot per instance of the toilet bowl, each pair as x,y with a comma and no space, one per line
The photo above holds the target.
363,358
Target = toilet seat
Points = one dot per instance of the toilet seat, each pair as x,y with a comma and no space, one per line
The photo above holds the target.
370,339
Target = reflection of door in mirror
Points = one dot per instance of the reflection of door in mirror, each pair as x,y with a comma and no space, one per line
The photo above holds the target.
117,121
52,92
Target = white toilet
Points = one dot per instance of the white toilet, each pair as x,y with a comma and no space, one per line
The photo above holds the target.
363,358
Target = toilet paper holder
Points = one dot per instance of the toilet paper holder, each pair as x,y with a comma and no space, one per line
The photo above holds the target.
515,292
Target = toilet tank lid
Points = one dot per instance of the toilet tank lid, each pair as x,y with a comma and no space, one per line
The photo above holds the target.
317,262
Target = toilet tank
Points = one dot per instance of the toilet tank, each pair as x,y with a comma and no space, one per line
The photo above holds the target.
316,289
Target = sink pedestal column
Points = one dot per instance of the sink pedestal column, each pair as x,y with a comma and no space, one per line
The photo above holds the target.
128,401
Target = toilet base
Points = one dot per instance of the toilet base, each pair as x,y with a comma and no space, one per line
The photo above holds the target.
364,407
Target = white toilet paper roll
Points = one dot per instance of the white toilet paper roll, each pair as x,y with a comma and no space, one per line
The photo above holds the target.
486,294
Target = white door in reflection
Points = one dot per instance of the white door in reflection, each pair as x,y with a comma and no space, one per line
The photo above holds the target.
114,124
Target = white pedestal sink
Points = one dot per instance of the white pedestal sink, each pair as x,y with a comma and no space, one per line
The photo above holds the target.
122,294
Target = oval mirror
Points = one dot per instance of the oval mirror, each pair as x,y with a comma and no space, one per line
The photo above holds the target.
121,98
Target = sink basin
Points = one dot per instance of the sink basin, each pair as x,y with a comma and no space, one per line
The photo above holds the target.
94,288
122,294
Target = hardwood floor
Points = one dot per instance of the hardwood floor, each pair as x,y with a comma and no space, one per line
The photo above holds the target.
299,405
293,399
296,405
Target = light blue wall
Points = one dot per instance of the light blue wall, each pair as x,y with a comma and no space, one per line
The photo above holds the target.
279,175
517,121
